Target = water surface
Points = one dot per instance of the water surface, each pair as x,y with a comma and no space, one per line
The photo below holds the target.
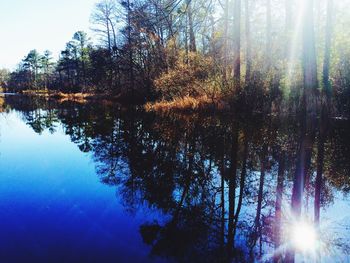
101,183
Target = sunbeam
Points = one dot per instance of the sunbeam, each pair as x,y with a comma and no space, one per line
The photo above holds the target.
294,46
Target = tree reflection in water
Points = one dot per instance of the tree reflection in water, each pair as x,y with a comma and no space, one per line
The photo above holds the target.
231,188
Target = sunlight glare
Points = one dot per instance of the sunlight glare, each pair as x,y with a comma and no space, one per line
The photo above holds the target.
304,236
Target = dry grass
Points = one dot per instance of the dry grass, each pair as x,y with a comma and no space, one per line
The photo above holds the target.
40,92
77,97
188,104
62,97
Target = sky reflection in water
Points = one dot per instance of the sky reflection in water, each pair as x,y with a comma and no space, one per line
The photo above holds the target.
100,183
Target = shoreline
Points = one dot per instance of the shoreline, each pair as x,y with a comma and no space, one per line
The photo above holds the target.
182,105
62,96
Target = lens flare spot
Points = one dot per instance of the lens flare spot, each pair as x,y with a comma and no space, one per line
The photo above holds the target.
304,236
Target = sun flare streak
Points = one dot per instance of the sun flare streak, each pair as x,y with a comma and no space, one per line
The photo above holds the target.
295,38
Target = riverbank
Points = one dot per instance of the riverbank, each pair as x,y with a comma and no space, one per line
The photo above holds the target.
76,97
182,104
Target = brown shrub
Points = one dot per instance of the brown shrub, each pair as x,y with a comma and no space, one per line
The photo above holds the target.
187,104
188,77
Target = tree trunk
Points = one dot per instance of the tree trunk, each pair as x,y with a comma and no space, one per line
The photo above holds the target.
278,205
232,189
318,183
261,185
309,58
242,183
268,35
226,40
108,35
256,234
302,168
237,45
327,52
130,49
323,130
193,47
248,42
222,190
114,35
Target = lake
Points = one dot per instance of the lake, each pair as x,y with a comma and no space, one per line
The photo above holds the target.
100,182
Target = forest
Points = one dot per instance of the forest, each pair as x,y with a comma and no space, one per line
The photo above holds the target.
279,56
181,131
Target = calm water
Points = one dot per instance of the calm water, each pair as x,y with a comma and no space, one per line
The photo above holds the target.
99,183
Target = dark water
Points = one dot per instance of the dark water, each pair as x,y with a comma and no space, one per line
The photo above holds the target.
100,183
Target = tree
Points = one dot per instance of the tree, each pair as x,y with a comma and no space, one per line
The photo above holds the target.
327,52
128,33
82,43
226,23
248,42
237,44
268,34
47,65
75,62
104,20
33,62
309,57
4,78
193,46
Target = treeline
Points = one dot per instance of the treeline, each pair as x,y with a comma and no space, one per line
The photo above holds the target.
271,53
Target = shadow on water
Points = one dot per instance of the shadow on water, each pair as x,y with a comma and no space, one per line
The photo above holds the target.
233,188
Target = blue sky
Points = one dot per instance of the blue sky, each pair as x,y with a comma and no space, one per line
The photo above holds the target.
39,24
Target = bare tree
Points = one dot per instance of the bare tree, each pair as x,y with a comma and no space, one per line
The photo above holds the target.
104,20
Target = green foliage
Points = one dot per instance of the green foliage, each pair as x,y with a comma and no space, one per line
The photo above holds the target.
74,63
34,72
